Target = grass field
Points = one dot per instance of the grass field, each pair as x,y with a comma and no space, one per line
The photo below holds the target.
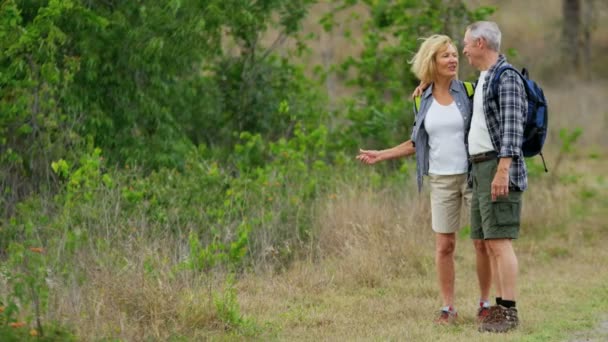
379,282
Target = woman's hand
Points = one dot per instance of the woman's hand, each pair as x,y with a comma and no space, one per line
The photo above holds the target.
369,156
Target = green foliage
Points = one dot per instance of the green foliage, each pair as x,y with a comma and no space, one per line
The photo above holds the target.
36,73
27,270
145,81
53,333
26,278
568,138
261,202
169,84
205,258
228,311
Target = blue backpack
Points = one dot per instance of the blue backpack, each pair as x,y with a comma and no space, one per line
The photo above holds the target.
535,130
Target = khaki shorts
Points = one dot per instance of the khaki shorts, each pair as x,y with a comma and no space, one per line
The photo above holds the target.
450,202
493,219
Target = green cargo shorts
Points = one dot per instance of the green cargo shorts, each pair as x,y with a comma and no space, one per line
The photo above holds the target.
492,220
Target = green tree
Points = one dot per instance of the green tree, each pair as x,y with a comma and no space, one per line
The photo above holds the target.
146,81
36,76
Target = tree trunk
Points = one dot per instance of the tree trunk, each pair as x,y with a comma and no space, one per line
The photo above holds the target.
588,26
571,32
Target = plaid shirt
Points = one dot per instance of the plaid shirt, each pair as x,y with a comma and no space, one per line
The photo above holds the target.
506,120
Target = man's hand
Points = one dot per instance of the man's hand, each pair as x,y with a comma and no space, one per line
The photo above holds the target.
420,89
369,157
500,184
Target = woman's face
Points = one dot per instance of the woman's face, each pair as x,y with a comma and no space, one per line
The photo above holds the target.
446,61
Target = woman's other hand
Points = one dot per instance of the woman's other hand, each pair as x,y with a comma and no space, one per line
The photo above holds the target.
369,156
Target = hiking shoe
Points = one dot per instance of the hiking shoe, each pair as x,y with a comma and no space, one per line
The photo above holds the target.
493,312
500,320
446,317
495,315
482,313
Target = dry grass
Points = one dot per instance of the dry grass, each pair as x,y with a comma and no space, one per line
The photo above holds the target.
378,232
579,104
377,280
138,295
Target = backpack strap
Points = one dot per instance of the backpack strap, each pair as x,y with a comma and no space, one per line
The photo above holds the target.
470,88
496,79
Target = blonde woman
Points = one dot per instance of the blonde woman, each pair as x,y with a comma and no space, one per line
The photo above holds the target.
439,142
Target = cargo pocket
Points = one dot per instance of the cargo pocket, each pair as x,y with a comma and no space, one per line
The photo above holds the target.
506,212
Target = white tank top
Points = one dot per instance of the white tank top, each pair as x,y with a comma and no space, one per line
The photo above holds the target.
479,137
445,127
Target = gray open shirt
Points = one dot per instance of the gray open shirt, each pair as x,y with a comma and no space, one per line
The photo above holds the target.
419,135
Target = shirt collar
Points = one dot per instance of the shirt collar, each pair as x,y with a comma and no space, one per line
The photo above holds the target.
501,60
429,91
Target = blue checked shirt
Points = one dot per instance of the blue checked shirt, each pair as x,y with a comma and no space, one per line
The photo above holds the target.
506,120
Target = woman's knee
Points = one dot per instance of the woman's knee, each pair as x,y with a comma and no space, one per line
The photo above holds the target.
445,246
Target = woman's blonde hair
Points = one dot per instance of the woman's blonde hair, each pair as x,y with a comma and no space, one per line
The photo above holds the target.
423,62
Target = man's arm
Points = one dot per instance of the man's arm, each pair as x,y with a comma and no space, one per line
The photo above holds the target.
513,109
513,106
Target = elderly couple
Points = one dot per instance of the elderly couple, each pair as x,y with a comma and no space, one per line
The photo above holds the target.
454,134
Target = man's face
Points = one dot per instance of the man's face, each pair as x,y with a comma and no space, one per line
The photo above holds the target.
472,49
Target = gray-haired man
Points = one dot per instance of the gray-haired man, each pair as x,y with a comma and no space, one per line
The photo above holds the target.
499,173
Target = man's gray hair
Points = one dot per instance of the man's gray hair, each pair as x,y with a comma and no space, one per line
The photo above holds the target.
489,31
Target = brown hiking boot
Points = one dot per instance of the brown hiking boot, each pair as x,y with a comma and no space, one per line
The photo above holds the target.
500,320
446,317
